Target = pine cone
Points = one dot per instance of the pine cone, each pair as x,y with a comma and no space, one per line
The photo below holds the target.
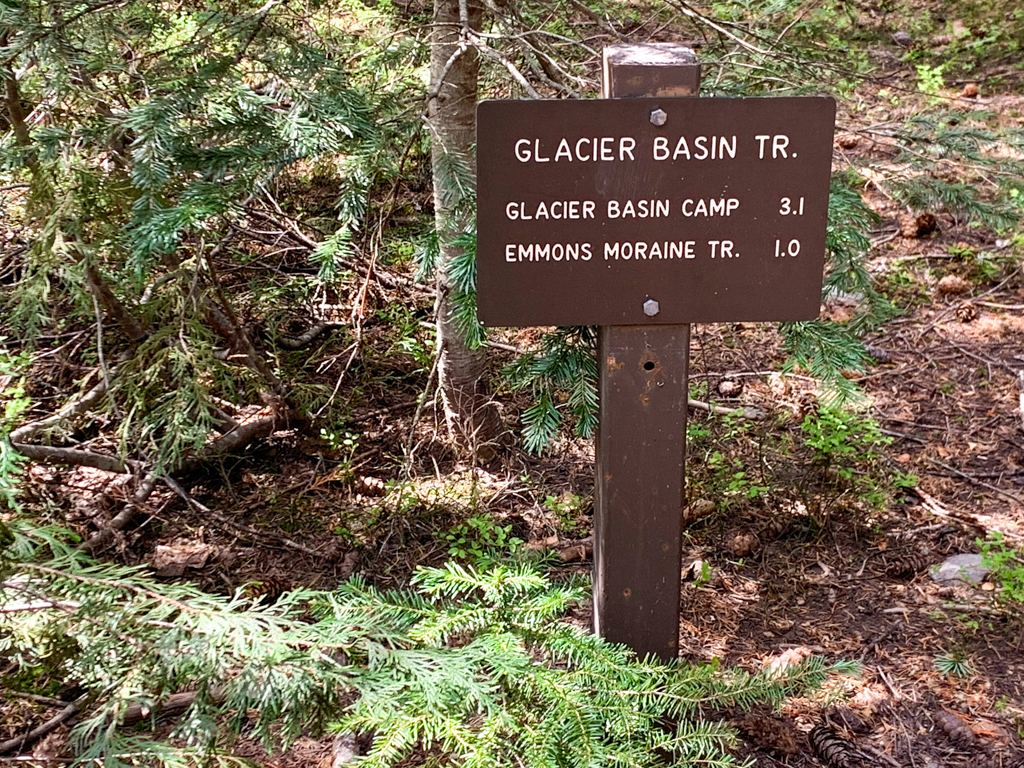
806,404
902,564
926,224
966,312
918,226
847,140
742,544
954,727
769,732
831,749
267,590
776,526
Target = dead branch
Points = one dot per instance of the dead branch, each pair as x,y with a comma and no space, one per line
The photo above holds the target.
482,46
13,107
133,328
75,407
601,22
977,481
174,704
19,742
982,522
225,321
224,519
305,339
233,440
104,536
747,413
71,456
387,279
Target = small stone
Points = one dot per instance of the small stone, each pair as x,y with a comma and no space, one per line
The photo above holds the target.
952,285
698,509
730,387
959,568
847,140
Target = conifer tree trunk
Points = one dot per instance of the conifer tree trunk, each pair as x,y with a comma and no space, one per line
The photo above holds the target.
472,417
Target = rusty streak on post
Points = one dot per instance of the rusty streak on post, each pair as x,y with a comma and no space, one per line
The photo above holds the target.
641,441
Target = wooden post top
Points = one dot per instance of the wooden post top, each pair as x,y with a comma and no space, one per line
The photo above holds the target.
651,69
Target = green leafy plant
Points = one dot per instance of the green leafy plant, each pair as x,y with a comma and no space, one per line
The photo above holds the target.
1007,565
841,438
480,539
734,479
929,79
15,402
954,663
473,666
568,507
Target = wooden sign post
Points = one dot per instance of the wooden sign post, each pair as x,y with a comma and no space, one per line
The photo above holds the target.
641,213
640,453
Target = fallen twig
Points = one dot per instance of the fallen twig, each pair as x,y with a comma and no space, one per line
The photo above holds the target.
39,731
747,413
174,704
935,507
305,339
75,407
422,401
978,481
383,411
194,505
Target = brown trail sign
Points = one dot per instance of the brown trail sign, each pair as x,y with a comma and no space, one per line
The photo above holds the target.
641,213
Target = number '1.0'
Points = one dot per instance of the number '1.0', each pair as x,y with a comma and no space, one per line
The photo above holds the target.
792,249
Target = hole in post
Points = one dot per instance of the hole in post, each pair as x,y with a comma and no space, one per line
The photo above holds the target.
649,365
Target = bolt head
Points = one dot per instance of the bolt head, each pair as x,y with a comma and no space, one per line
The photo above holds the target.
659,117
651,308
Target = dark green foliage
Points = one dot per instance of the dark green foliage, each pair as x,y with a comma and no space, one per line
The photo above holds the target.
926,193
562,375
474,665
847,245
155,130
828,350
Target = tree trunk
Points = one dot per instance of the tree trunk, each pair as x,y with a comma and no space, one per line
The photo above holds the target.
471,415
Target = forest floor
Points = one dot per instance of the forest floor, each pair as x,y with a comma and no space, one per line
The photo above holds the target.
788,554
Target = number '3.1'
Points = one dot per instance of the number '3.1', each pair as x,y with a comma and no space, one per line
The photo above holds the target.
788,208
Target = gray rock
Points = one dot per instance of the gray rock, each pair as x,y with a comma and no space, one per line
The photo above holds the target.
959,568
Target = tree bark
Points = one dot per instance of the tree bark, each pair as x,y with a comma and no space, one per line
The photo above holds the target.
471,415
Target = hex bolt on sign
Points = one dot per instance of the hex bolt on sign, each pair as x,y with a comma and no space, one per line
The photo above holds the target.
651,308
659,117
